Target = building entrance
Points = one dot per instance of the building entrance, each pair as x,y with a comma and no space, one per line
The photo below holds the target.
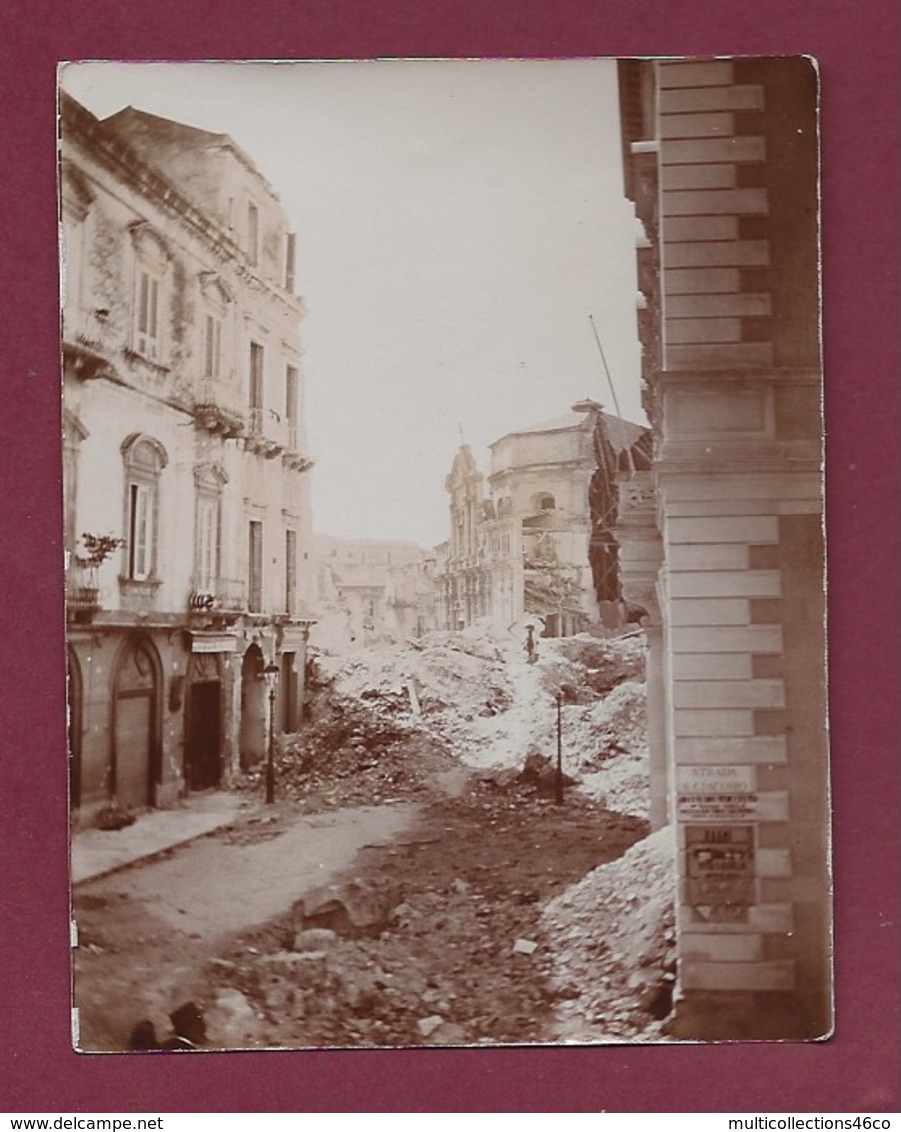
252,739
135,762
203,725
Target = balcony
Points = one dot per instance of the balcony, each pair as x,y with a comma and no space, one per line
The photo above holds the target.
217,602
258,436
88,343
292,457
216,409
82,594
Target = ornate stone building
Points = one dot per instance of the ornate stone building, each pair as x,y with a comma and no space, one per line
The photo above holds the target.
540,544
187,516
723,545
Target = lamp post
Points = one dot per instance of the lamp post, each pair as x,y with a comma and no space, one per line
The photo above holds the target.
270,675
558,778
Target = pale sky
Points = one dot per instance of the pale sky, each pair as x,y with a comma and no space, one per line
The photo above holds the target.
457,223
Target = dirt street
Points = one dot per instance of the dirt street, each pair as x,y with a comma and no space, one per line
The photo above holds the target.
464,878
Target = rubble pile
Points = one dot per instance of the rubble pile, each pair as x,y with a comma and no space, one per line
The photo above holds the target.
364,753
475,693
500,915
461,672
459,945
584,668
603,717
610,749
614,958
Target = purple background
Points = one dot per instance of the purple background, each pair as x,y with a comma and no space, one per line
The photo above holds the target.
857,1070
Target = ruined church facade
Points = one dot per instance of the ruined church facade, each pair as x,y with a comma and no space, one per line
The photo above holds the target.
535,543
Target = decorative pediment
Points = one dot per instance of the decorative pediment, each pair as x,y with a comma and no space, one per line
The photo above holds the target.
214,290
74,431
148,243
144,453
211,477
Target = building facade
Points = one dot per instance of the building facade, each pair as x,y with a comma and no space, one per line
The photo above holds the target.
187,514
722,543
371,591
526,547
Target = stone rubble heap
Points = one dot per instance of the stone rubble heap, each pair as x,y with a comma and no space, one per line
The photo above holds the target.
592,964
474,693
441,942
614,957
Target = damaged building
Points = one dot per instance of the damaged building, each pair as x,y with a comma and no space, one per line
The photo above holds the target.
371,591
540,542
187,514
722,542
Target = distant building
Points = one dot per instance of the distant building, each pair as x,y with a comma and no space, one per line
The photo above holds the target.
722,544
530,546
187,514
371,591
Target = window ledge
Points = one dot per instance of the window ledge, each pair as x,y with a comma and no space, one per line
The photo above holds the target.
139,586
137,358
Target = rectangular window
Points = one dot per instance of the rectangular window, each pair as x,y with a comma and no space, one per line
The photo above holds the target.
290,252
255,566
212,337
140,523
253,233
291,406
290,572
256,387
207,545
147,339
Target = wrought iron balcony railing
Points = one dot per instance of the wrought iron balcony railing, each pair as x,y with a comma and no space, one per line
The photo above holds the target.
82,593
260,435
217,598
217,409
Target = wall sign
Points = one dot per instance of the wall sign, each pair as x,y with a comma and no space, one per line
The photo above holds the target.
719,864
715,779
715,792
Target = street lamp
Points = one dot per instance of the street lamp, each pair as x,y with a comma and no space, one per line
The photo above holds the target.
558,778
270,675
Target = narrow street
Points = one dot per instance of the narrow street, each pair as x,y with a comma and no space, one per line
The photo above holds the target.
415,883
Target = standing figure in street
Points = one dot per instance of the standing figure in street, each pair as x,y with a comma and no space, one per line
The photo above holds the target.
531,650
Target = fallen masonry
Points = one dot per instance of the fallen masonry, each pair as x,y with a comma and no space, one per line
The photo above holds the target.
501,917
442,940
388,722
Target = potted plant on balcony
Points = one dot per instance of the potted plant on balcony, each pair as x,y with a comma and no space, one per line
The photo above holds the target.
84,592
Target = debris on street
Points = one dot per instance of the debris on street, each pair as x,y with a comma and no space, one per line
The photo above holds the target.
615,957
503,915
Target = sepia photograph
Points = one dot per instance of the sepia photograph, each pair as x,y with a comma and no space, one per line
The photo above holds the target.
445,557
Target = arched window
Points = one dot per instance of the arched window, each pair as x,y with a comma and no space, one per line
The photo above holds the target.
543,501
145,459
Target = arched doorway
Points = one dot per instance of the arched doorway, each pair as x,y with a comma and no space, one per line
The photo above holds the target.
74,701
135,755
252,737
203,723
